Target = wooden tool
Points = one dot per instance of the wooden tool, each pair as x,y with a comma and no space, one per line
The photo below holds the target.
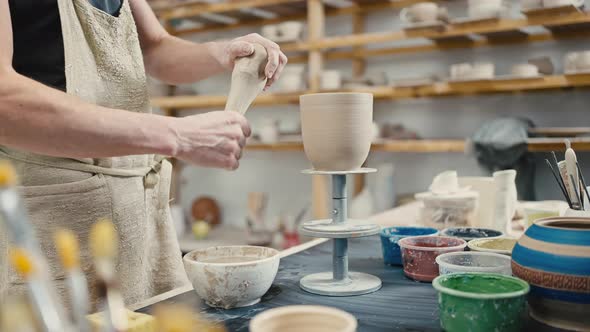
572,174
247,80
69,252
103,245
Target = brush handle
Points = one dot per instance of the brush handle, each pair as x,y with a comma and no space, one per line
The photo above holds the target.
567,182
79,296
45,309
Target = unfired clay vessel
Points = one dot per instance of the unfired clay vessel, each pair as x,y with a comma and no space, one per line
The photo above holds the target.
306,318
336,129
232,276
247,80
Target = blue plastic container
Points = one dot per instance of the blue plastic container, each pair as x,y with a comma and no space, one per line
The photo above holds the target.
391,235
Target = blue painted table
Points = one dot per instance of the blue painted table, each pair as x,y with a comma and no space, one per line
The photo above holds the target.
401,305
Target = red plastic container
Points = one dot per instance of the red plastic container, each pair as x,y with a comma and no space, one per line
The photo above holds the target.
419,254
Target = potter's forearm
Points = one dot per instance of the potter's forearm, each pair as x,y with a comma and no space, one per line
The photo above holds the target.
43,120
176,61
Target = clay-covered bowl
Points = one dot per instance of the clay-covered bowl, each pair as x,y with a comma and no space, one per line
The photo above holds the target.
553,255
337,129
232,276
419,254
470,233
471,261
310,318
481,302
390,237
498,245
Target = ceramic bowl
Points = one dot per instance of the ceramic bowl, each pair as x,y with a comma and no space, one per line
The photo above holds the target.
553,255
390,237
419,254
481,302
469,261
232,276
336,129
499,245
470,233
310,318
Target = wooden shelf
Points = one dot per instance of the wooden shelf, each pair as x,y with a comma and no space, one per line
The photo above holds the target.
285,10
435,145
440,89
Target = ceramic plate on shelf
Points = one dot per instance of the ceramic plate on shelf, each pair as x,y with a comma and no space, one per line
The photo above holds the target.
578,72
412,82
468,80
555,9
425,25
469,20
516,77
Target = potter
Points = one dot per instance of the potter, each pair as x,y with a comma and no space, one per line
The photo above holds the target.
76,122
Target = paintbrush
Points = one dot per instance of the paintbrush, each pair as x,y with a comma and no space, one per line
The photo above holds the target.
69,253
45,309
15,221
557,178
583,185
103,245
577,193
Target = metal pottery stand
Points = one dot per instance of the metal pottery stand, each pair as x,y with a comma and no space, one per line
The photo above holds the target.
339,282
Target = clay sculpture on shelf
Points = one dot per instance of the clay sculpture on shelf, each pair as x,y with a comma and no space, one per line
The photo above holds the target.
247,80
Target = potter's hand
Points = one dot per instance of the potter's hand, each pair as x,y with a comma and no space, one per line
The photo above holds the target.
227,52
213,139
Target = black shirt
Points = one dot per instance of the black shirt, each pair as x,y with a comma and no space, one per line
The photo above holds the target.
38,42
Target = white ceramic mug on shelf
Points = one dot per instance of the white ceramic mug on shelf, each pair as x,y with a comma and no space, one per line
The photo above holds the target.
423,12
270,31
269,131
525,70
482,70
331,80
480,9
460,70
559,3
577,61
290,30
530,4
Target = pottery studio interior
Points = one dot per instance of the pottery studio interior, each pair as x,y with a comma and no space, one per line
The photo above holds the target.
294,165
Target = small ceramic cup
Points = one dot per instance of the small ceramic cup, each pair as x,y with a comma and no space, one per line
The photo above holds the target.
482,71
269,131
331,80
525,70
422,12
530,4
460,70
304,318
337,129
290,30
481,9
270,31
390,237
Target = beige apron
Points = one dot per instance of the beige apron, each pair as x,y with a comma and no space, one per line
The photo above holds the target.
104,66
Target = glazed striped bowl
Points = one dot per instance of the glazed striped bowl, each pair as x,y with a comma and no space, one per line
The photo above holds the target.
553,256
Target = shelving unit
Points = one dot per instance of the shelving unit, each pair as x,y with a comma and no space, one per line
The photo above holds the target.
439,89
557,24
436,145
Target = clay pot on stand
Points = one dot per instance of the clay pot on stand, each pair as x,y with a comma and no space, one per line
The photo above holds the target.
337,129
554,257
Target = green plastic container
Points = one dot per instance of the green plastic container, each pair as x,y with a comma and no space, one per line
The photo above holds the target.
481,302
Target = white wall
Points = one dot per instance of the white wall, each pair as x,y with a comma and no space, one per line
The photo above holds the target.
452,117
